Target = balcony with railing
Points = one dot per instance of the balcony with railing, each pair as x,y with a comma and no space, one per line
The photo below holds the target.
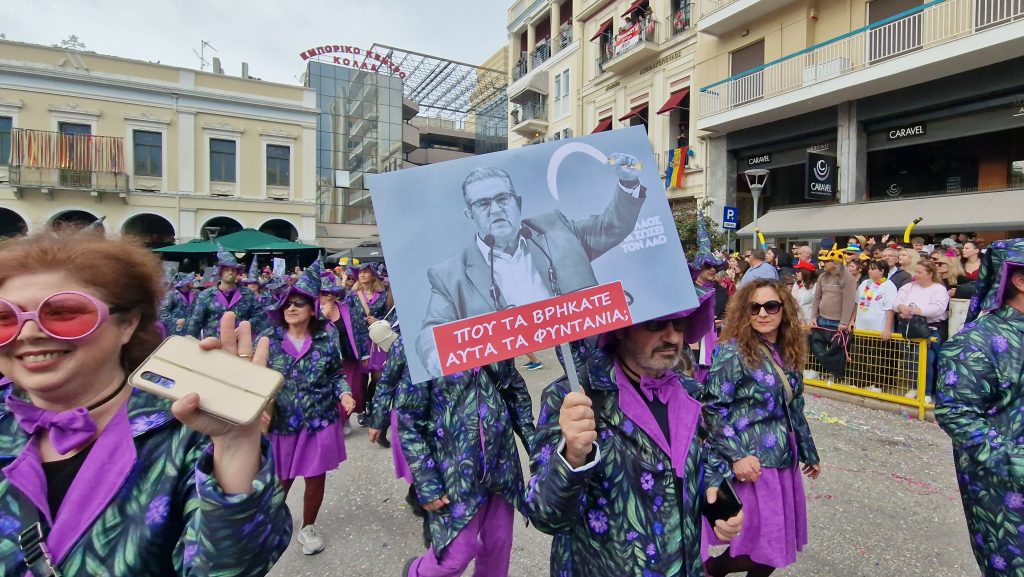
937,39
53,160
634,46
680,21
519,70
720,16
565,38
540,55
529,119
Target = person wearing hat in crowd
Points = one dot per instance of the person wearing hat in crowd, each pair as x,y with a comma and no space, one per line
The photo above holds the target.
176,308
266,274
226,295
260,321
305,425
803,289
835,293
979,403
458,435
704,269
617,467
367,302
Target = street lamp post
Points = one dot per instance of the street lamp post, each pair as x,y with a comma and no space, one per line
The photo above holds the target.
212,232
756,179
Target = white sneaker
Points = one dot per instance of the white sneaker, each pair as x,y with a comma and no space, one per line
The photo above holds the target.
809,374
928,400
874,389
346,429
911,394
311,542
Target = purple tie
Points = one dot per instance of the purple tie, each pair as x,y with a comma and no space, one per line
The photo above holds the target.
68,430
661,387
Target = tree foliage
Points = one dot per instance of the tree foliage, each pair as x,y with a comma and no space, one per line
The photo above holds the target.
686,224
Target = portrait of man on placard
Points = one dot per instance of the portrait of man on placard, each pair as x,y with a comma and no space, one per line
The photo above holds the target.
513,260
517,227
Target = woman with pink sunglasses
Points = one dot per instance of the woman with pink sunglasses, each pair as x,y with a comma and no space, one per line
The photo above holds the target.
100,477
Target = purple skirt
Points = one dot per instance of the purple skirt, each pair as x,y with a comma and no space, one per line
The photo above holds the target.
308,454
401,465
774,518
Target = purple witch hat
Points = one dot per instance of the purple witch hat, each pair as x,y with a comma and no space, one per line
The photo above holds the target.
254,269
700,319
704,256
227,260
998,264
330,284
183,279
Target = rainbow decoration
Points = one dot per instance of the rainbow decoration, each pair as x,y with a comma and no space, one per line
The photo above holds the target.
676,167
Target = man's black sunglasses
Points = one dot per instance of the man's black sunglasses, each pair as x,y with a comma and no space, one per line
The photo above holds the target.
656,326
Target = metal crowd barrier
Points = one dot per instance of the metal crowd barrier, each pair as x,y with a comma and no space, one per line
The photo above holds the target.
878,369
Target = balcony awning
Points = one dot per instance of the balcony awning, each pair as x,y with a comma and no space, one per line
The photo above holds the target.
600,31
602,126
634,112
674,101
633,7
999,210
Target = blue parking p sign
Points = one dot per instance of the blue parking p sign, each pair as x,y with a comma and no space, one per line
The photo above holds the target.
731,218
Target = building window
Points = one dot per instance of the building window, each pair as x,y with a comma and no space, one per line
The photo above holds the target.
222,160
278,165
5,140
148,151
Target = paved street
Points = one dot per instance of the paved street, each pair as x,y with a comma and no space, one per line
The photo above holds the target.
886,504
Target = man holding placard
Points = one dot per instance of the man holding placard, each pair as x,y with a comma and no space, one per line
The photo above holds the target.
514,261
617,469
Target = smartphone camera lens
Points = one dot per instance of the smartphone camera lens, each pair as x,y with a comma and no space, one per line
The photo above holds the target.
157,379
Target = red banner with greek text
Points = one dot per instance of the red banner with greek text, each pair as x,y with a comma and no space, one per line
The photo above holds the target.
484,339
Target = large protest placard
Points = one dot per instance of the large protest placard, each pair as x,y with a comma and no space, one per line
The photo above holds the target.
494,256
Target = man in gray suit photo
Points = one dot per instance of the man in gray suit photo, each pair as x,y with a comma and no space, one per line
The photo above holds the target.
514,261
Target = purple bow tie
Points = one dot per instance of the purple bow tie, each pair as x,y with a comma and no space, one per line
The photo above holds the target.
661,387
68,430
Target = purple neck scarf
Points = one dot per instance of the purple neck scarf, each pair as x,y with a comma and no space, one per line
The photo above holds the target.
68,430
289,347
683,415
188,296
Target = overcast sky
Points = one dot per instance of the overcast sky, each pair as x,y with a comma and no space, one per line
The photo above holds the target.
268,34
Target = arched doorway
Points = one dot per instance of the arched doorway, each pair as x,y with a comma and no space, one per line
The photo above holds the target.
219,226
280,228
75,219
154,230
11,224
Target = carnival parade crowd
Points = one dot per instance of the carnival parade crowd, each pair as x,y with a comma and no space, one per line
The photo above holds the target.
701,407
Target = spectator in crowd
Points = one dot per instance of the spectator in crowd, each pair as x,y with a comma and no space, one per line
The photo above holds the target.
741,269
875,297
835,294
917,243
971,260
978,402
726,281
803,289
896,275
908,258
925,297
754,409
803,253
772,258
857,267
759,268
785,265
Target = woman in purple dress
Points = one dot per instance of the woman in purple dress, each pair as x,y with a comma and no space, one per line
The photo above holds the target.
366,302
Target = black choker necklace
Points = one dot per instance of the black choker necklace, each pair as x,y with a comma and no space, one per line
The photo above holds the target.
108,398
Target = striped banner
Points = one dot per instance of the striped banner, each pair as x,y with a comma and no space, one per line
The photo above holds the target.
676,167
76,152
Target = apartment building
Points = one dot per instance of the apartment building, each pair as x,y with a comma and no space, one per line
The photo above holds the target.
864,115
166,153
586,66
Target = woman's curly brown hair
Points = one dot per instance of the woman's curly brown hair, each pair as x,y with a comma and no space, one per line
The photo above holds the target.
792,339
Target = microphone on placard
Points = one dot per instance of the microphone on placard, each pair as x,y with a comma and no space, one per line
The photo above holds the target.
527,234
495,291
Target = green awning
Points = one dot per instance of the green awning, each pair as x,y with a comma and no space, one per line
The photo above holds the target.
247,238
282,246
193,246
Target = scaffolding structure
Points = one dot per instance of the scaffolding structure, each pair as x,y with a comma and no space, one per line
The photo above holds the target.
447,89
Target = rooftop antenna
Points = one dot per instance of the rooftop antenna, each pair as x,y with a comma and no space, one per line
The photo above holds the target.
201,54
